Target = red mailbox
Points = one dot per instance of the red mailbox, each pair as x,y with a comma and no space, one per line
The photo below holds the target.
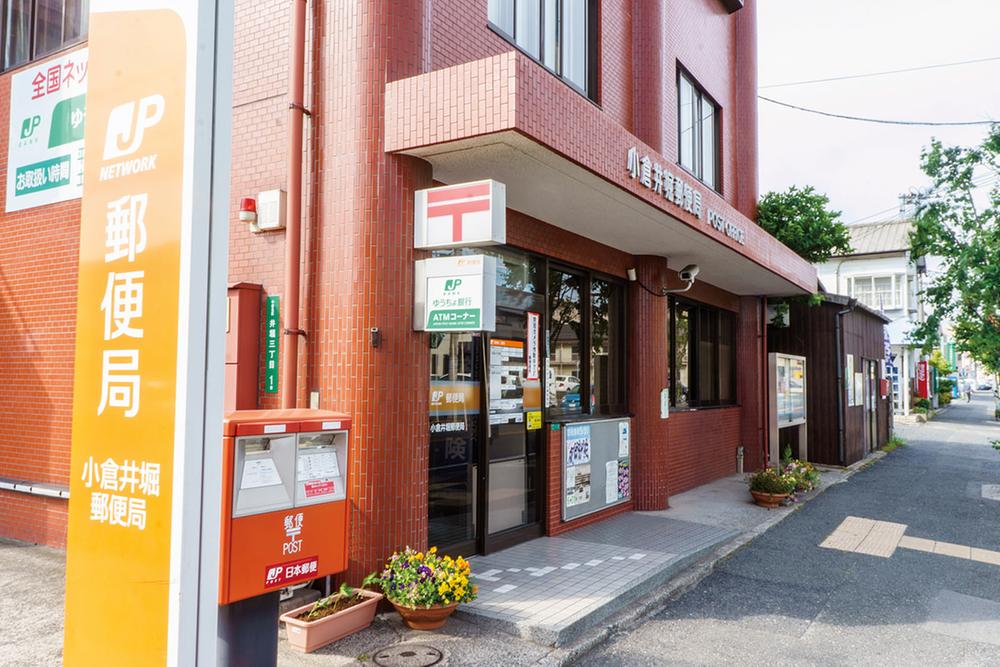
284,500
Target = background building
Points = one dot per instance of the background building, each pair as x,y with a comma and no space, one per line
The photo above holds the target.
882,275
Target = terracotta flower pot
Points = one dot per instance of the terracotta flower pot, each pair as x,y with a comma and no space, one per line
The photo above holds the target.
308,636
429,618
768,500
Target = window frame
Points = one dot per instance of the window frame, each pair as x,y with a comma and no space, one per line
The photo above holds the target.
700,96
591,92
33,56
695,322
898,286
587,277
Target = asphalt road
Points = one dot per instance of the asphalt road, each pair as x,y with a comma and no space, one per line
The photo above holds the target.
783,600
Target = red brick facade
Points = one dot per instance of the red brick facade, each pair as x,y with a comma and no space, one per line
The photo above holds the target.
386,76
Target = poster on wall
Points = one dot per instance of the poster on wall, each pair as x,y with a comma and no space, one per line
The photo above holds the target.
532,361
577,485
623,437
48,105
577,444
859,388
849,379
624,479
611,482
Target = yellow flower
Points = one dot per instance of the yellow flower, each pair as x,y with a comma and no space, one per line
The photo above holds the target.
420,555
475,590
432,550
442,589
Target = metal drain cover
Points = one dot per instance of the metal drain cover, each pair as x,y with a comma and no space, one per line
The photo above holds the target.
408,655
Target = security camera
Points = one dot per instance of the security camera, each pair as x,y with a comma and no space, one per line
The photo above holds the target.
689,273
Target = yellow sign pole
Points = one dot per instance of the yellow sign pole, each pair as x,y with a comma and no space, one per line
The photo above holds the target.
142,553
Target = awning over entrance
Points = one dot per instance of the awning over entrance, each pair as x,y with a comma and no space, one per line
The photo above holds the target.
566,162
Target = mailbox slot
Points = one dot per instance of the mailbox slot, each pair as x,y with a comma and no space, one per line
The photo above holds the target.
321,463
264,474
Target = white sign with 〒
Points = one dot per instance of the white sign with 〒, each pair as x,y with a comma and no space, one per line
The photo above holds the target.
48,105
465,214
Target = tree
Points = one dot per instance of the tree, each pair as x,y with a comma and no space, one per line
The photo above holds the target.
963,229
802,219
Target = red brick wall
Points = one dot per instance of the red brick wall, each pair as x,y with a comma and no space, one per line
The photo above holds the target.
38,267
702,447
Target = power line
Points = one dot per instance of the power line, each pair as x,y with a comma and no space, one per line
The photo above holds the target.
873,74
880,121
977,183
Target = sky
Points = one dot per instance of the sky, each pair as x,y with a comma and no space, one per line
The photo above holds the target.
864,167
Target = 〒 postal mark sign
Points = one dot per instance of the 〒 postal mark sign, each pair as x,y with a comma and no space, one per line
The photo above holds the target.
140,407
466,214
45,139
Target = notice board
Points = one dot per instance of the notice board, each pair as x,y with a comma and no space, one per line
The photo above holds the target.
596,465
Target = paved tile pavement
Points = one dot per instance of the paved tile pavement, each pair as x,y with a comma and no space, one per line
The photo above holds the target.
550,588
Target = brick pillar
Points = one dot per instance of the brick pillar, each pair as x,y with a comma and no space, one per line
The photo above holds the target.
746,110
648,49
751,374
647,359
361,273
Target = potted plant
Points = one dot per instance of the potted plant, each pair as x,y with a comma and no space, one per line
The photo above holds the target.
425,588
805,474
331,618
771,487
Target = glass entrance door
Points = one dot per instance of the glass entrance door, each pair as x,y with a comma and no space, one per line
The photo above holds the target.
513,406
485,470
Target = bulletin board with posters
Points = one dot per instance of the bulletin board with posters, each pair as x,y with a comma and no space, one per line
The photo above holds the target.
787,400
596,465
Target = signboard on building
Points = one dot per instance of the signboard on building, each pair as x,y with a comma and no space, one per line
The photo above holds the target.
679,192
455,293
48,105
272,323
143,526
462,215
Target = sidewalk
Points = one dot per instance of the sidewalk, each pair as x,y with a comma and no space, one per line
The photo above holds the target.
541,603
582,586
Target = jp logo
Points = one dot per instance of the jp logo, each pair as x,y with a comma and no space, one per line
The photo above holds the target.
126,125
452,284
29,125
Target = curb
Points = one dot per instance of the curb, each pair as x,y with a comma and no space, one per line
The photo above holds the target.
685,581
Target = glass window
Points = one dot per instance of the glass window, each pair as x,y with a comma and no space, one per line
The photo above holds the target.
17,31
607,338
36,28
703,368
558,33
575,42
884,292
526,27
708,333
688,140
565,341
501,14
697,128
682,355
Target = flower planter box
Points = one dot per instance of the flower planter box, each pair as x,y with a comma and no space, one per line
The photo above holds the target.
307,636
769,500
425,618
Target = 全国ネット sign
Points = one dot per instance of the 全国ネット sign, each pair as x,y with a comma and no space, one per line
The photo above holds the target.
45,139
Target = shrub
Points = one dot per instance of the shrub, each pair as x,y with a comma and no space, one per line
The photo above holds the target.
924,403
805,474
770,480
